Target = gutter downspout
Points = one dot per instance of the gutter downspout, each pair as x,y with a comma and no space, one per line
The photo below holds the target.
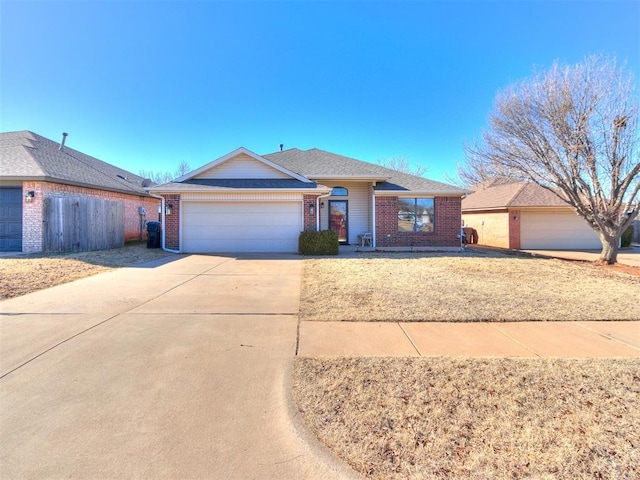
161,198
373,215
318,209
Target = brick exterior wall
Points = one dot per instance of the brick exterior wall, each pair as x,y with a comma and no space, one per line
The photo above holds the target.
310,220
172,222
446,225
514,229
33,213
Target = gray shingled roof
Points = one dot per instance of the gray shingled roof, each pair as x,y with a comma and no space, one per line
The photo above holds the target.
514,194
318,164
29,156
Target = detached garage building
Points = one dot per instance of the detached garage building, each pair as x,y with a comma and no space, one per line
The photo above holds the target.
525,216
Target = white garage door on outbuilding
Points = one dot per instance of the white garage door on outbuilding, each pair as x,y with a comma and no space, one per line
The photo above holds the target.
556,230
241,226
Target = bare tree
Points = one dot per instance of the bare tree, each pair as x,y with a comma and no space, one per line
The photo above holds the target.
183,168
573,130
166,176
401,164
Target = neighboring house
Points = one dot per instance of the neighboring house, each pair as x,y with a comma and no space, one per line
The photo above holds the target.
50,193
244,202
525,216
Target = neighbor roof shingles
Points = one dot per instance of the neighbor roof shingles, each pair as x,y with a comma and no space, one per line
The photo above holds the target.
26,155
515,194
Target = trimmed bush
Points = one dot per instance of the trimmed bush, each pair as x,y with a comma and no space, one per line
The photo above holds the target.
627,236
324,242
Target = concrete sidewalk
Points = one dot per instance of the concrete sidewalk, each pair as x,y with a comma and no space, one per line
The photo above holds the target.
511,339
178,369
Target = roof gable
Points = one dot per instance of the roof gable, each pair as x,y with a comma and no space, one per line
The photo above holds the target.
533,195
241,164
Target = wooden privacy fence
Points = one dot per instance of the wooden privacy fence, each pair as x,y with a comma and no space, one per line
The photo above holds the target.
80,224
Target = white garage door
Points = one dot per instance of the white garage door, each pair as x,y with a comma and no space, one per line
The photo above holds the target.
556,231
241,227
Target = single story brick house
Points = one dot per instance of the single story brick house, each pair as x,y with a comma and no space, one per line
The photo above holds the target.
35,170
524,216
245,202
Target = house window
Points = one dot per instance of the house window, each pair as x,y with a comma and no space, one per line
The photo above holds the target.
339,192
415,215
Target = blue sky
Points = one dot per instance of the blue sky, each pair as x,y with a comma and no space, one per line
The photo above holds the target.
147,84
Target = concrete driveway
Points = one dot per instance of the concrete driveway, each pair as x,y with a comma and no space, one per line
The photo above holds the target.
175,370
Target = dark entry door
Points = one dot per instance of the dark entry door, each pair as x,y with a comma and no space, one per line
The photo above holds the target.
338,219
10,219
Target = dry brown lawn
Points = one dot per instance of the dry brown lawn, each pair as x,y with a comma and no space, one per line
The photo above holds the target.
446,418
24,274
467,286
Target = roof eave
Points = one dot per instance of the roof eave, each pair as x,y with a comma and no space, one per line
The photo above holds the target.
482,209
235,153
517,207
427,193
20,178
237,190
354,178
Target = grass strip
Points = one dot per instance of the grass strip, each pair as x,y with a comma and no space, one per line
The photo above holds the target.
436,418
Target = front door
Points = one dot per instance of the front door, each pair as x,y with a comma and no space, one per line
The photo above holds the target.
338,219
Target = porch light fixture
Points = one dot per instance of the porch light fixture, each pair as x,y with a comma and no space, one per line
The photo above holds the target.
321,204
29,196
312,209
169,209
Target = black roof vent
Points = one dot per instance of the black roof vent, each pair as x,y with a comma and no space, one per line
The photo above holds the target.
64,139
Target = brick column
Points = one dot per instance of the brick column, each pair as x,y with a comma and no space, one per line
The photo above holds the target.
32,218
514,229
309,220
172,222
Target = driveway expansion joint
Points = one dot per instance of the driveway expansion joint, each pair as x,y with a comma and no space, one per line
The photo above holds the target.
26,362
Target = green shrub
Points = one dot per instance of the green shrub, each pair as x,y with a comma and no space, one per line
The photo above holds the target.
627,236
324,242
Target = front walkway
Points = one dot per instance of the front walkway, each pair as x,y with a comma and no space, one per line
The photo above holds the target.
510,339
